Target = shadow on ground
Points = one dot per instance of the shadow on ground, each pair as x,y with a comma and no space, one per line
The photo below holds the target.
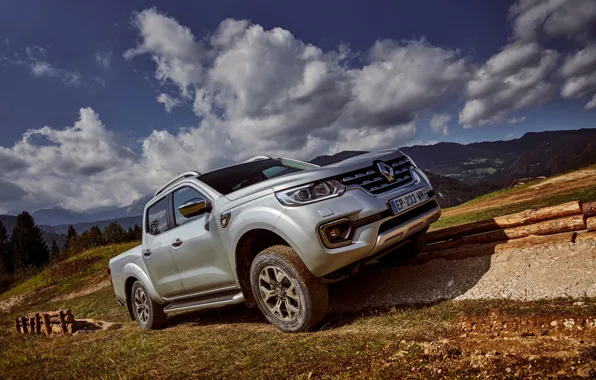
374,289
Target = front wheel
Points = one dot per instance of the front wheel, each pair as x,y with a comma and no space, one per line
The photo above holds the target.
287,294
148,314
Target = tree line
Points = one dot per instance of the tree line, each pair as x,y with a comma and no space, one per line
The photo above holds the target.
25,247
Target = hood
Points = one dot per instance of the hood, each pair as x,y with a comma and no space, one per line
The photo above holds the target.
307,176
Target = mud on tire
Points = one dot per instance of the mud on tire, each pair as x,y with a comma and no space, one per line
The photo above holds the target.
287,294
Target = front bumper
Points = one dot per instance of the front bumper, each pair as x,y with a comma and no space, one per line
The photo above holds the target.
376,228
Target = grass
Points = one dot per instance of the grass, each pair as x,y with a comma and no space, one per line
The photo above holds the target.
64,276
235,342
584,195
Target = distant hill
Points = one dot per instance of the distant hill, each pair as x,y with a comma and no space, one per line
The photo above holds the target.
501,162
126,222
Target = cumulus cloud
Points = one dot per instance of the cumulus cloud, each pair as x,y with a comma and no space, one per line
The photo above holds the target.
265,91
168,101
579,73
38,64
517,77
533,19
438,123
591,104
103,60
516,120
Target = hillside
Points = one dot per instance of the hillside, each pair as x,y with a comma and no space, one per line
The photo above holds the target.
500,162
575,185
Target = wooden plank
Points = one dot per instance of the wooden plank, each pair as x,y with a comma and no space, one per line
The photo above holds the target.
32,325
62,324
507,221
46,324
37,324
17,323
443,245
24,324
591,223
589,208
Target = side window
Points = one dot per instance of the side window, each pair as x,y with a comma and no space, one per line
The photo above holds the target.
181,196
157,221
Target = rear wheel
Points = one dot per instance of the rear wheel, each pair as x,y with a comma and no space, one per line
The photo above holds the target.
148,314
287,294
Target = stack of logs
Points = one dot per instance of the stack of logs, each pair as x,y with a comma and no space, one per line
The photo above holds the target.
549,225
57,322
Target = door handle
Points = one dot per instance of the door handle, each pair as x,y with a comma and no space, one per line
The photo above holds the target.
147,253
177,243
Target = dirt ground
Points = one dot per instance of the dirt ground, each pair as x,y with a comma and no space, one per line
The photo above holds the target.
561,184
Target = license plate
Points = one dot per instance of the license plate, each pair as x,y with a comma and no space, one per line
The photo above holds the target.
408,200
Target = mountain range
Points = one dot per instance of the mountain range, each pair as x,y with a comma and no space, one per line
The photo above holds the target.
459,172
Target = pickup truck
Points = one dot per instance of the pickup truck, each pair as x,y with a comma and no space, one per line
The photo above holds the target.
271,232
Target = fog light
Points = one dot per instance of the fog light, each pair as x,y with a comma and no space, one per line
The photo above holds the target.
337,233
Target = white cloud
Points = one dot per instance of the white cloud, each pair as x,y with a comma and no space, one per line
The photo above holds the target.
509,136
579,73
38,65
517,77
103,60
168,101
553,18
438,123
591,104
516,120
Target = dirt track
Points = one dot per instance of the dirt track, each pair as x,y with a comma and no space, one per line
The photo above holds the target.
564,270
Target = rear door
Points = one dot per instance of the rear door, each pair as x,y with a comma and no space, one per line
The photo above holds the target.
198,252
157,255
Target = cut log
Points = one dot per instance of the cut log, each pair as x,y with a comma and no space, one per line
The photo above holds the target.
17,323
24,324
62,324
32,325
539,214
46,324
461,230
473,250
586,237
68,318
589,208
519,219
37,324
591,223
57,313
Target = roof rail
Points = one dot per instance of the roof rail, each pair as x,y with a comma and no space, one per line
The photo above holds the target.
191,173
258,158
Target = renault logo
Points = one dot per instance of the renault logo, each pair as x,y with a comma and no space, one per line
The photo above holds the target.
386,170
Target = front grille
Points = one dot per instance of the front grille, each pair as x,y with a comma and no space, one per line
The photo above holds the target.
374,182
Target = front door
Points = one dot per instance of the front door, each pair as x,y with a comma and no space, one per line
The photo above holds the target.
198,253
157,255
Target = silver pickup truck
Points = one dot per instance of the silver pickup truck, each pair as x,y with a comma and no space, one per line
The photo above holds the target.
271,232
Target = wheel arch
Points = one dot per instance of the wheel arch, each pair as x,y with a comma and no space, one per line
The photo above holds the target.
248,247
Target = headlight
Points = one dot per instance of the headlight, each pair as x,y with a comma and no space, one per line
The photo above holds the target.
310,193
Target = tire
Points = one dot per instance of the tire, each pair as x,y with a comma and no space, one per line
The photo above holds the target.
148,314
287,294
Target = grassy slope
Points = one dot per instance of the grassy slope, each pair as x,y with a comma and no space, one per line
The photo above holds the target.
451,216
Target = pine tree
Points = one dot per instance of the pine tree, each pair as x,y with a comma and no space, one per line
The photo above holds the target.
71,234
114,233
130,234
138,233
54,251
6,264
28,244
95,237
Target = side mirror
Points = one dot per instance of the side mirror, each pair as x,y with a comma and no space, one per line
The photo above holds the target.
194,207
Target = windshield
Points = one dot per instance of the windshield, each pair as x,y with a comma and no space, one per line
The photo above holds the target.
237,177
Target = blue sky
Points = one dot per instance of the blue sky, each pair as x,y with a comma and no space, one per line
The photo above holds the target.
336,75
